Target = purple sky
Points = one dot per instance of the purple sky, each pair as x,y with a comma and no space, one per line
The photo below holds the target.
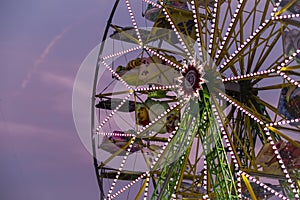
42,46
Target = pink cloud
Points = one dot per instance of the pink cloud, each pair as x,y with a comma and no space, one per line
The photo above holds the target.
61,101
43,56
20,129
57,79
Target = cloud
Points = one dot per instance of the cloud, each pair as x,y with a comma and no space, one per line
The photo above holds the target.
56,79
42,57
83,88
37,149
59,102
20,129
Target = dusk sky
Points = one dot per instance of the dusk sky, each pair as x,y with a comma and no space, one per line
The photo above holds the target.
43,43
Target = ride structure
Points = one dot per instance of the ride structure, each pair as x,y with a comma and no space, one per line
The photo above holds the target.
198,100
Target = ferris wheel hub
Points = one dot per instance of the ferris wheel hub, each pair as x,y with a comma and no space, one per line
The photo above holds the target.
192,79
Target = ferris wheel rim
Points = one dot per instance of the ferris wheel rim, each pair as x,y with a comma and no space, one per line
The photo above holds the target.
95,92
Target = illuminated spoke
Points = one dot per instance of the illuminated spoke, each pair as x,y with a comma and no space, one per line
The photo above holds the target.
282,165
264,186
134,22
121,53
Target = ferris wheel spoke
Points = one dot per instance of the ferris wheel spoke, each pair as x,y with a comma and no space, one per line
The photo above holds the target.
179,51
240,139
201,23
267,105
276,7
264,45
250,140
284,8
283,73
116,75
290,22
223,125
240,49
156,88
266,52
110,94
184,41
248,177
289,79
134,23
214,27
120,168
230,30
164,58
285,122
112,113
238,36
294,130
153,3
142,133
255,45
245,21
282,66
274,87
282,165
289,139
261,119
120,53
270,73
128,186
118,152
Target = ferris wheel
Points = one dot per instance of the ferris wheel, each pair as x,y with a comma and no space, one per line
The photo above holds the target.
198,100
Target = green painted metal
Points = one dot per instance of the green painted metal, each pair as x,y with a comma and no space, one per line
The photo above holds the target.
197,121
178,150
218,165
